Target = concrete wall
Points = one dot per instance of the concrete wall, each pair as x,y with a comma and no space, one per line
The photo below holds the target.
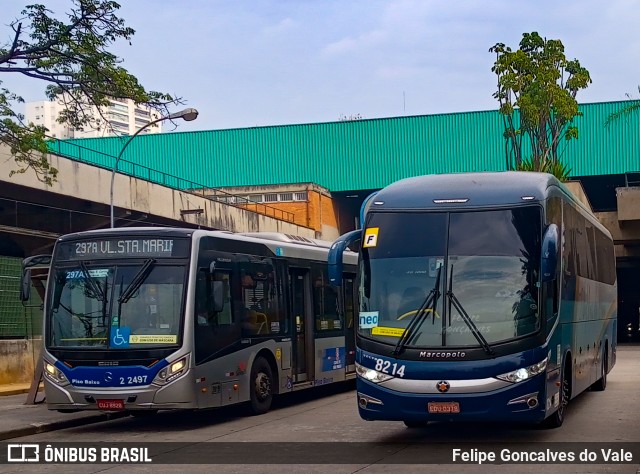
628,203
317,212
18,358
578,191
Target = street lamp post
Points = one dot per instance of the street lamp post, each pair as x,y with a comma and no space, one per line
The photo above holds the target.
186,114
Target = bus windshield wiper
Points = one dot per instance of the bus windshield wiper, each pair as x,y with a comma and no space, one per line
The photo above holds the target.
470,324
430,302
95,288
136,281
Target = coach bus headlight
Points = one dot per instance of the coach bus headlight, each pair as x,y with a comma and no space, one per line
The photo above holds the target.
525,373
172,372
54,374
371,375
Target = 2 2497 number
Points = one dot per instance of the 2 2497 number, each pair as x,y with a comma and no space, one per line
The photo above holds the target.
136,379
386,367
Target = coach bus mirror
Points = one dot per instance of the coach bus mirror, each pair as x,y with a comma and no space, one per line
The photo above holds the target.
334,259
25,285
218,296
549,253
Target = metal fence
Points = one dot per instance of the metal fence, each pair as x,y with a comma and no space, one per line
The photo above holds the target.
77,152
17,321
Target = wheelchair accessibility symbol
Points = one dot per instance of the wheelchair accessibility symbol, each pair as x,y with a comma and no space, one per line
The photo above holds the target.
120,337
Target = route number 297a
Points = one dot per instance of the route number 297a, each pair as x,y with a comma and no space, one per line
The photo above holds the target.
386,367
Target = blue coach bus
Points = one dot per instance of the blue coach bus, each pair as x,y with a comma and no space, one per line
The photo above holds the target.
482,296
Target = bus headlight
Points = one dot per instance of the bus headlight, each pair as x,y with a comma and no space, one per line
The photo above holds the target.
54,374
524,373
171,372
371,375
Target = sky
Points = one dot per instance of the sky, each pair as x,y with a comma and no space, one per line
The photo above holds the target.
248,63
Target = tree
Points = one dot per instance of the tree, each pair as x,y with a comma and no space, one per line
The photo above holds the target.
72,56
537,89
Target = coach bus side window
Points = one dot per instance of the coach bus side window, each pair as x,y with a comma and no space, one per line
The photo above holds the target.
551,289
569,252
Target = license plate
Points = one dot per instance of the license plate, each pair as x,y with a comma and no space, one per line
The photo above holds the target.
443,407
111,405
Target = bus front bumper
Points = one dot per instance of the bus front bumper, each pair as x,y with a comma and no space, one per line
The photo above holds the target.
520,402
175,395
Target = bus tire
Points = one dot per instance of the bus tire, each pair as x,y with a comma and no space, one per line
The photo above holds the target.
260,386
557,418
601,384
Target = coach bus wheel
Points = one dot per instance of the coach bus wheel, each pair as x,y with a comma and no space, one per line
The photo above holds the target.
260,386
556,420
601,384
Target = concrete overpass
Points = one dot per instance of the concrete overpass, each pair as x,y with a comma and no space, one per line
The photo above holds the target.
33,215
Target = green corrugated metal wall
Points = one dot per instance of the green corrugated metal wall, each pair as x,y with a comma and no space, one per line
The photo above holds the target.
362,154
17,321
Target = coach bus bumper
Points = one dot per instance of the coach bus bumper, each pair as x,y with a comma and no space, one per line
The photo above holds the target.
178,394
521,401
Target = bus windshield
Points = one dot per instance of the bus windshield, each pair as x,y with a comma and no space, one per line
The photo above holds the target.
116,306
487,290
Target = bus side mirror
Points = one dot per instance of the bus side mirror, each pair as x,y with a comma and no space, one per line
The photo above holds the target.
217,296
25,285
36,261
334,259
549,260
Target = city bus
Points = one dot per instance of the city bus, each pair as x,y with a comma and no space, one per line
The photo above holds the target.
148,319
482,297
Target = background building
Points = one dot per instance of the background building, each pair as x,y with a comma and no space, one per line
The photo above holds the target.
123,117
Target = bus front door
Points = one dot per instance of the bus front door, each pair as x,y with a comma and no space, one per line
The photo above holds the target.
303,342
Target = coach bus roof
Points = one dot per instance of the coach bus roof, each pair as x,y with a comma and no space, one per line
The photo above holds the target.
465,190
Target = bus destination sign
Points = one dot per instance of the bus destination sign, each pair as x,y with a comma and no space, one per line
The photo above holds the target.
131,247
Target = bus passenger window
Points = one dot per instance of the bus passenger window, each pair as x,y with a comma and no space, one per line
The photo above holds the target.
204,303
262,311
224,316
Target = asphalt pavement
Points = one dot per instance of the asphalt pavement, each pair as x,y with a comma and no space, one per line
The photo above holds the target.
18,419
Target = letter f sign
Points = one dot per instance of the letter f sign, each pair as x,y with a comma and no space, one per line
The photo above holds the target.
371,237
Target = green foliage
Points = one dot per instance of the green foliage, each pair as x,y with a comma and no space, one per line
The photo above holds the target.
73,58
537,89
556,168
628,109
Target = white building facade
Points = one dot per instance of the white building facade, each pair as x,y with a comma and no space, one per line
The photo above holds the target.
121,117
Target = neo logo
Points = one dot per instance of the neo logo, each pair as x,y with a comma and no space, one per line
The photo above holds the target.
368,320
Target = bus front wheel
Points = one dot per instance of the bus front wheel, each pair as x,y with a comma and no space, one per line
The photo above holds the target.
557,418
260,386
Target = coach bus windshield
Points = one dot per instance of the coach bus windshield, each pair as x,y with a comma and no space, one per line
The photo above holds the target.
486,266
116,306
